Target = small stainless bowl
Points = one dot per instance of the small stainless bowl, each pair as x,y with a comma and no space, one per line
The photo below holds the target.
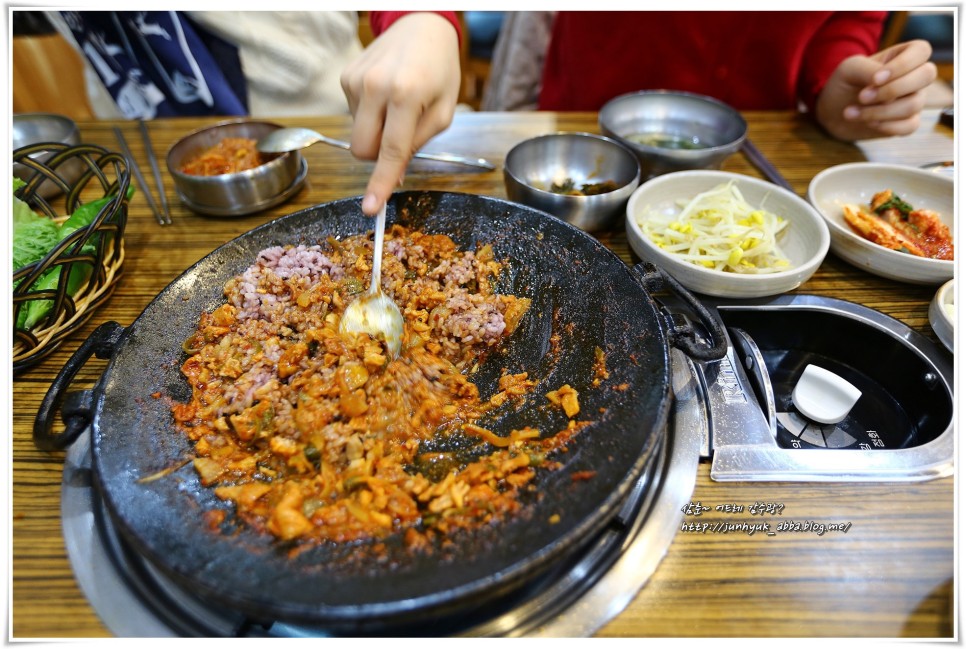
240,193
36,128
673,131
533,166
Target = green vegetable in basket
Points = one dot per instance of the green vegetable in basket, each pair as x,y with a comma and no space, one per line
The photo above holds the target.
33,234
33,239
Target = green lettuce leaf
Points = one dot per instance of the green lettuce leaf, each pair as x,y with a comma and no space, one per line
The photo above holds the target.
36,235
33,234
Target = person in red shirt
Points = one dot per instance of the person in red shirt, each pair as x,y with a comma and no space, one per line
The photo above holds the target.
403,89
749,60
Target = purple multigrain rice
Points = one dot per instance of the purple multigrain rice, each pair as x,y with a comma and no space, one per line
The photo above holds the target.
264,296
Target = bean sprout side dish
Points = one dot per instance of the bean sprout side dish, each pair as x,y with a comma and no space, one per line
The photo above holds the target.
720,230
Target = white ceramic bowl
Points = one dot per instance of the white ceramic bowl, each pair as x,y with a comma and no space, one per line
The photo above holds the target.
805,241
856,183
943,323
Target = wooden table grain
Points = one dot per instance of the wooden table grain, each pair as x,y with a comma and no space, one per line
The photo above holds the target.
891,575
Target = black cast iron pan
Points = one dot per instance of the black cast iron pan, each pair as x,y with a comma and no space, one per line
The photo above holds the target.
581,291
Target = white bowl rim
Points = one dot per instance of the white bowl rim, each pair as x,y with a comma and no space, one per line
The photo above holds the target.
942,298
740,278
865,244
940,321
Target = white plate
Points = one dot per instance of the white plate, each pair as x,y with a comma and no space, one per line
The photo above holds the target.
942,322
857,182
805,242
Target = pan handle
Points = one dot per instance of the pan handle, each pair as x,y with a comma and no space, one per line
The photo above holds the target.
681,333
75,406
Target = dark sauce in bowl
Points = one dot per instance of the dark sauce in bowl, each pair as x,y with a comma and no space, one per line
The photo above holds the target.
570,188
666,140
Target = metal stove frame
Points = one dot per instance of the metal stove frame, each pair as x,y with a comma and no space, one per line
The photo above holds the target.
134,600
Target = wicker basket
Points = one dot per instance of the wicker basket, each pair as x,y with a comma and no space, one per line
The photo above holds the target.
99,173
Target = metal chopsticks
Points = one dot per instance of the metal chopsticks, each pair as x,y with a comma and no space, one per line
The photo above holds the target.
153,160
757,158
161,214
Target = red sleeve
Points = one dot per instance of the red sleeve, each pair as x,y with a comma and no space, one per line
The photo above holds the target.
844,34
381,20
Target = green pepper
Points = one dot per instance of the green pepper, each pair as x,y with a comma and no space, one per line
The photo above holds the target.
895,203
354,482
313,455
352,286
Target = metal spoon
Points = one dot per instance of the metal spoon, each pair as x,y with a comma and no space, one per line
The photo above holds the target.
375,313
293,139
942,167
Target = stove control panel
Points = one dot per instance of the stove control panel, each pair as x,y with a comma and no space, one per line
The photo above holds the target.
888,416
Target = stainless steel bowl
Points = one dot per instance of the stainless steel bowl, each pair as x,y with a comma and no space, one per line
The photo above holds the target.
534,166
36,128
240,193
673,131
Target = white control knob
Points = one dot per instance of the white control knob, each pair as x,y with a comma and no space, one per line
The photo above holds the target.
823,396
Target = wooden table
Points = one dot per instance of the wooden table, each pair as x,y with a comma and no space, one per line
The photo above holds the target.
892,575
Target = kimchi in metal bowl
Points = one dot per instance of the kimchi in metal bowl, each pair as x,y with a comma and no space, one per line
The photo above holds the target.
218,172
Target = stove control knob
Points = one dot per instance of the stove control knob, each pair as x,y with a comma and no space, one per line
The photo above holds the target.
824,397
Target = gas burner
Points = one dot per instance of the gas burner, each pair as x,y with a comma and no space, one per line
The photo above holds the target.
738,412
900,428
572,599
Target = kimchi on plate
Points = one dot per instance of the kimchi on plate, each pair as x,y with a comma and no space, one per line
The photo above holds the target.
892,223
